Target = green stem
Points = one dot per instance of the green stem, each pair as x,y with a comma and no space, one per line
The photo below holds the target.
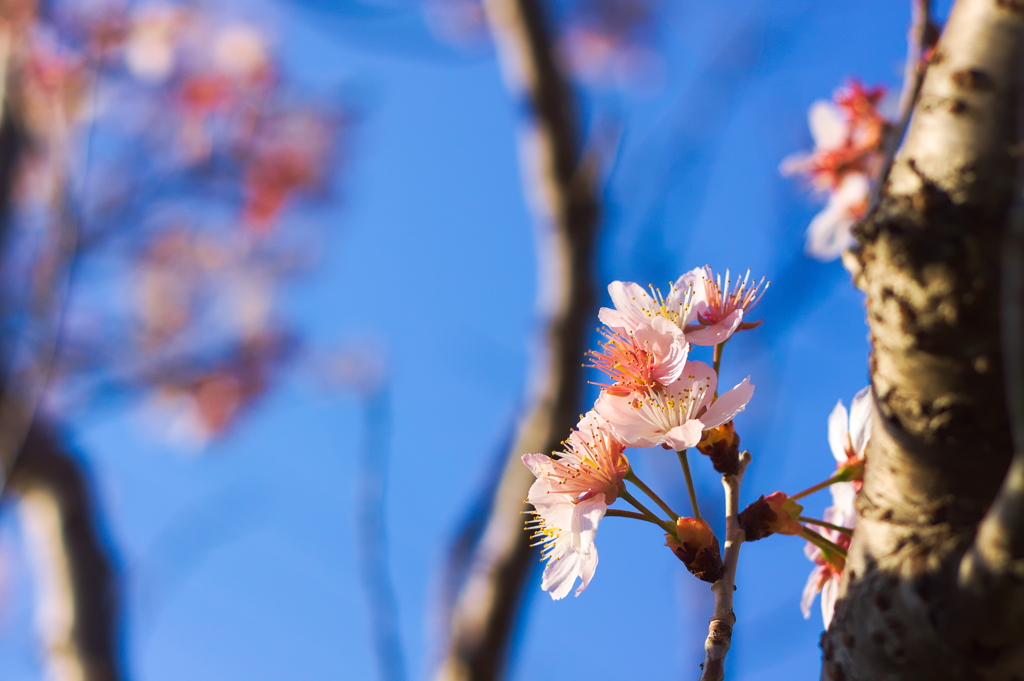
648,513
631,476
618,513
821,523
822,543
689,481
820,486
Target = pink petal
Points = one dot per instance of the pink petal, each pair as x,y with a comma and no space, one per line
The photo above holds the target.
614,320
629,428
684,436
703,375
668,344
716,333
539,464
728,404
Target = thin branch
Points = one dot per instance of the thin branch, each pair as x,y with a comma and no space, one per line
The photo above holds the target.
723,618
372,535
561,187
77,610
919,38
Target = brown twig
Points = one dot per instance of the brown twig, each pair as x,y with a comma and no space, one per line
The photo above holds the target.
723,618
913,76
77,599
562,190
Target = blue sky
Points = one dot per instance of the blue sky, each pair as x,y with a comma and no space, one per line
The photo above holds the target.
241,563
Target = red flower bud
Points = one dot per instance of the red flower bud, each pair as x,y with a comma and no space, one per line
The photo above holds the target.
696,545
722,445
776,513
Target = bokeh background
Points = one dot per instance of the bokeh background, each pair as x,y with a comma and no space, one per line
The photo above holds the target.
407,276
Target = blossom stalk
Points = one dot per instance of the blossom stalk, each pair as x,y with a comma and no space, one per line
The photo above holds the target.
823,543
831,526
633,478
689,482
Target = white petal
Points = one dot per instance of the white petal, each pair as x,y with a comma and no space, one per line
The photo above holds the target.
630,429
843,510
728,404
684,436
588,565
586,517
560,575
827,125
829,594
837,432
810,591
629,299
795,164
692,280
860,419
828,235
716,333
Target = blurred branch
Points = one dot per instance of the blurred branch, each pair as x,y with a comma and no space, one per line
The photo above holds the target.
76,604
372,534
564,198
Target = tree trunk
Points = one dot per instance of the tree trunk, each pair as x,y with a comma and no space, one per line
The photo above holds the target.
925,594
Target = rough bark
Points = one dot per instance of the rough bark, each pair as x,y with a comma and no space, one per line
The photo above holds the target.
562,191
929,260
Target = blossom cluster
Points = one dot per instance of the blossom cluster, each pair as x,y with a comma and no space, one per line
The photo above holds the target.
848,441
848,134
655,395
827,539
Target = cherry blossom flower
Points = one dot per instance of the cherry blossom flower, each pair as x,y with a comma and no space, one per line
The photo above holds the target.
653,356
848,440
720,307
677,416
848,135
830,232
828,565
570,496
635,306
